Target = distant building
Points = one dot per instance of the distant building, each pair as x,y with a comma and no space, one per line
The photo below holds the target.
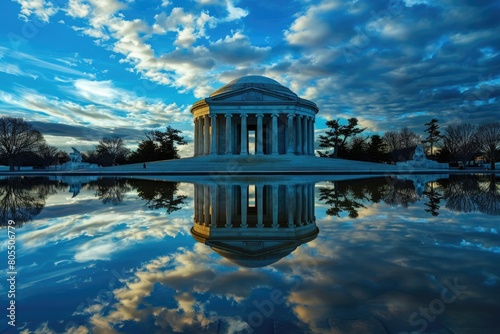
254,115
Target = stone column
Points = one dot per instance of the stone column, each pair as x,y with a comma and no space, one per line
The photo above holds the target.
213,142
305,136
260,135
299,134
311,136
229,135
260,205
195,137
244,134
290,130
275,134
200,136
244,205
206,135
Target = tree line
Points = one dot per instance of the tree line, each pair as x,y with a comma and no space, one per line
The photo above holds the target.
21,144
458,143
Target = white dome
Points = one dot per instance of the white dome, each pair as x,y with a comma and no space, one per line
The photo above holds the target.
256,81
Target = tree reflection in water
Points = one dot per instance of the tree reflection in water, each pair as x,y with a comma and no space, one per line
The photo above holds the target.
349,195
434,197
110,190
470,193
463,193
23,198
159,194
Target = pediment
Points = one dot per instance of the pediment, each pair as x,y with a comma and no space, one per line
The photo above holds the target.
255,95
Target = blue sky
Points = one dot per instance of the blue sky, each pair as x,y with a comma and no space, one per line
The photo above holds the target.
80,70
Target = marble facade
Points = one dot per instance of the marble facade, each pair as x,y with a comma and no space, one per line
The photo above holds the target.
279,120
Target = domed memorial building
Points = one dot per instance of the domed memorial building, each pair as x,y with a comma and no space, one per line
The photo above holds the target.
254,115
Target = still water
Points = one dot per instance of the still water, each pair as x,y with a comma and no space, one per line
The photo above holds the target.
416,253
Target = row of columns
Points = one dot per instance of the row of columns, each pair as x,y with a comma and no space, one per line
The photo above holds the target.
300,134
210,199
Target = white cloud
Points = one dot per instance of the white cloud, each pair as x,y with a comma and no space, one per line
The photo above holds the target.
14,69
234,13
78,8
312,28
40,8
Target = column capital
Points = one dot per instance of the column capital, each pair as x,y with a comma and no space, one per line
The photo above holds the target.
259,115
274,115
290,115
243,115
228,115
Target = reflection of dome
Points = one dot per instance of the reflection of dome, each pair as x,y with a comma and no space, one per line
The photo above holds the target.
251,260
261,249
254,81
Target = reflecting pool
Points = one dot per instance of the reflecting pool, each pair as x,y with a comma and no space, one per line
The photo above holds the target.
412,253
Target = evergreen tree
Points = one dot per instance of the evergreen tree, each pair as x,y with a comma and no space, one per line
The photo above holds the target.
337,137
434,135
159,146
377,149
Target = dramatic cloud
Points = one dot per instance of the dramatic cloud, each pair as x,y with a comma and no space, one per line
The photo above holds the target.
391,64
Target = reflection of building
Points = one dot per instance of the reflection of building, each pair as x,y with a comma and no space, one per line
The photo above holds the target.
254,224
258,109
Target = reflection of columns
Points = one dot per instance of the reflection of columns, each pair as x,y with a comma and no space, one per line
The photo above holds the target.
275,205
213,198
259,134
206,205
299,202
244,205
244,134
206,135
299,133
195,204
305,136
289,149
291,204
312,202
229,204
305,201
275,134
229,137
213,122
260,211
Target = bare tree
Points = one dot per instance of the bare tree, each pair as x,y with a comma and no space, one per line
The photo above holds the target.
391,139
408,139
111,150
18,139
461,140
488,140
